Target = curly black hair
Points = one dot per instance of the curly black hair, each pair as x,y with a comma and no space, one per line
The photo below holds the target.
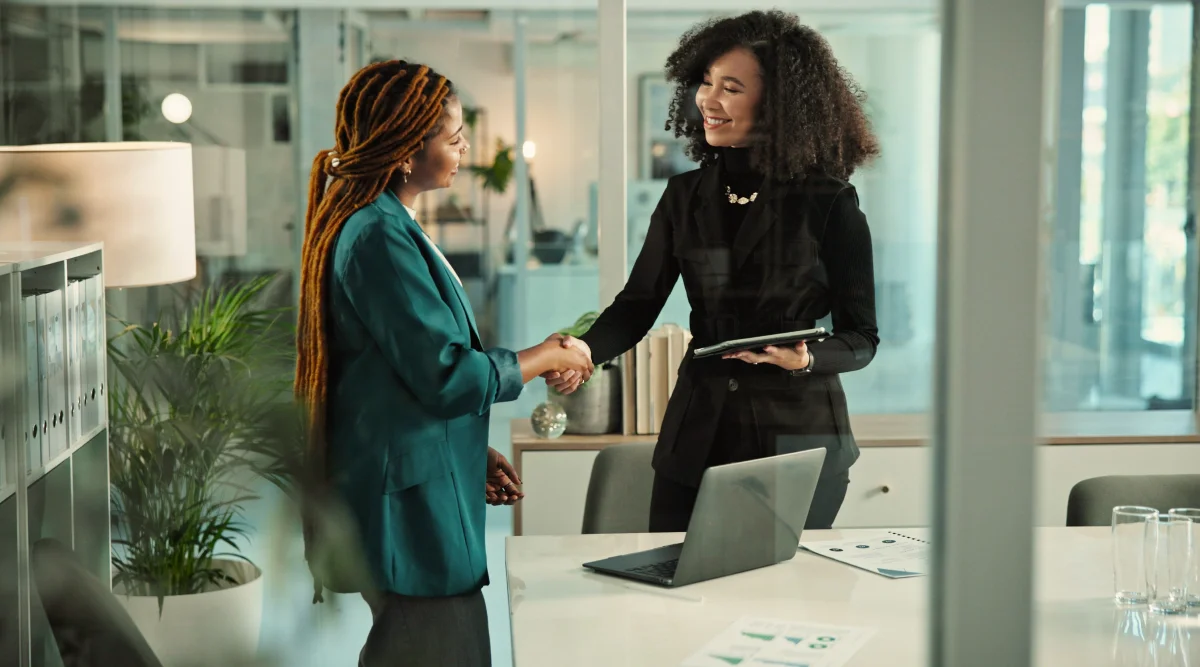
810,119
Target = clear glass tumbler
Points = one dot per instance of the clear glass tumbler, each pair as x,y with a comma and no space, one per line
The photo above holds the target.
1193,566
1168,574
1134,540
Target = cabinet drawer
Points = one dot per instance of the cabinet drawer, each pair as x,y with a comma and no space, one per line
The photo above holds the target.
555,484
889,487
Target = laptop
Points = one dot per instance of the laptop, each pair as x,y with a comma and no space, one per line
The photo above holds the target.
748,515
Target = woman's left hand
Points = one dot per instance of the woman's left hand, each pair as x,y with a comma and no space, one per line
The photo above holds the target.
501,486
786,357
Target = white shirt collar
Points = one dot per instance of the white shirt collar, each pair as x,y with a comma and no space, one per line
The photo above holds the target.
436,249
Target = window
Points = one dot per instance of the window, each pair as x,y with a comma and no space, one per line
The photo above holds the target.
1122,328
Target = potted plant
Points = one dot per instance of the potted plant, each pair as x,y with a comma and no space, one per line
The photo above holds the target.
594,408
189,399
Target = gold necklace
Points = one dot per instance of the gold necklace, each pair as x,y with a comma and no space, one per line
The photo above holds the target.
734,199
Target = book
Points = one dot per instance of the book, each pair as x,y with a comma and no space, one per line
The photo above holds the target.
888,553
676,349
628,391
641,365
649,373
660,369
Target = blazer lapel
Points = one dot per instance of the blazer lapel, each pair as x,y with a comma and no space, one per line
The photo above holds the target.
758,220
391,204
709,198
459,291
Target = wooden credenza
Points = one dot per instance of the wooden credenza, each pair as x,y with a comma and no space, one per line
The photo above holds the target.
891,483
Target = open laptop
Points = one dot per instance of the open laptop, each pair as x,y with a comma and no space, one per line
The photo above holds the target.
748,515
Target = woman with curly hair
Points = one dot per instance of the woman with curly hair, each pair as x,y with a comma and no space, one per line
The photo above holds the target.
769,238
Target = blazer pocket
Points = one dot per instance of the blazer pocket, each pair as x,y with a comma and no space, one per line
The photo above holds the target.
415,462
789,253
710,265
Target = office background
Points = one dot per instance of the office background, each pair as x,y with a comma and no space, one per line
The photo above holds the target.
1120,255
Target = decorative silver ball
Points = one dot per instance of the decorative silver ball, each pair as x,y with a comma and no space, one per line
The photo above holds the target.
549,420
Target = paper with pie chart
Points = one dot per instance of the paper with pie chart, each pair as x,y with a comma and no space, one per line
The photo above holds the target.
893,555
761,642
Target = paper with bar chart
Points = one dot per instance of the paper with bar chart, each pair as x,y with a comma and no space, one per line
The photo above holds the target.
892,554
762,642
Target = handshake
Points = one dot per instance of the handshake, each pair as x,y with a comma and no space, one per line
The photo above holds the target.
569,361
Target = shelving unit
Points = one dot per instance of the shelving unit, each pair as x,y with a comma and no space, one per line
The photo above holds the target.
53,429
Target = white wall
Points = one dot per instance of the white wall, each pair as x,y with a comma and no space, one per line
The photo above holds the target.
229,115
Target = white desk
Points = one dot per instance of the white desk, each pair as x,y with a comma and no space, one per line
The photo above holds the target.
565,615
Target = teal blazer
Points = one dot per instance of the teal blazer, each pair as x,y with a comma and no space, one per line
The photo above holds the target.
410,392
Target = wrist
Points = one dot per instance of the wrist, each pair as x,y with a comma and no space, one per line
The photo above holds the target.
534,361
806,368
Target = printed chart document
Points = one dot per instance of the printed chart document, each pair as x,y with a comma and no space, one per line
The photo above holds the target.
762,642
891,554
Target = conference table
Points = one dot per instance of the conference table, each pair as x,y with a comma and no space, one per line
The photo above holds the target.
563,614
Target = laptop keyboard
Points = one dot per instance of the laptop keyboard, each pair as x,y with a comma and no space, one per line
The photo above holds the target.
663,570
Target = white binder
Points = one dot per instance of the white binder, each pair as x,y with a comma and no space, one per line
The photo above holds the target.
56,374
74,359
8,390
92,368
33,385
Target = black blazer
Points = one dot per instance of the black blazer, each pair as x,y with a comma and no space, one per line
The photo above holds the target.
802,251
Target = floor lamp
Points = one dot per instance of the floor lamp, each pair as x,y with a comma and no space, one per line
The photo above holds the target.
135,197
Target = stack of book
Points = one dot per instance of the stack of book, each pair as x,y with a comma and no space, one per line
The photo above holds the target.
649,373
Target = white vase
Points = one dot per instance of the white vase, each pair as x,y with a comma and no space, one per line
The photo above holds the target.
216,627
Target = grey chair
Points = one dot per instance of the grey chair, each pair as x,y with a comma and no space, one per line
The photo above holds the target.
1091,501
618,495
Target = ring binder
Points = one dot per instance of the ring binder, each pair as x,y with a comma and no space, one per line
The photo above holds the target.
909,537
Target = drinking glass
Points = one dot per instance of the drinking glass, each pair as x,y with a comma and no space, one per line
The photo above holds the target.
1168,574
1134,539
1193,566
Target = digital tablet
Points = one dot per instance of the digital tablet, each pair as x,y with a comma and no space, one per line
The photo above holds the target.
759,342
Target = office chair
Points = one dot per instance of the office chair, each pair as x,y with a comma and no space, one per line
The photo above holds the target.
1091,501
618,495
88,624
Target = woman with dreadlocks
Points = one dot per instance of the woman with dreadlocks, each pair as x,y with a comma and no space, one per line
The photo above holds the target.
769,238
396,382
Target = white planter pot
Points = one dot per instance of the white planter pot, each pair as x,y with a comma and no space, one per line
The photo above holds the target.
215,627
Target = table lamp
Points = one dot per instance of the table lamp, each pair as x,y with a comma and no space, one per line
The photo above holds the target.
135,197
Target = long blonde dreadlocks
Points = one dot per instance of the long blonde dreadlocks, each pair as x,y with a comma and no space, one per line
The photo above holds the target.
384,116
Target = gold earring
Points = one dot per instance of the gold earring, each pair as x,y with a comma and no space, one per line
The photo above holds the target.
404,173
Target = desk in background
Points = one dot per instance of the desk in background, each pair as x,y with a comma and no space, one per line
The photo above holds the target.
890,483
565,615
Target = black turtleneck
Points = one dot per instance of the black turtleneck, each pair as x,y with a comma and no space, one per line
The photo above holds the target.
742,180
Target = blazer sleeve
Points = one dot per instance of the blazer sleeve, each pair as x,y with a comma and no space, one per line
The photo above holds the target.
388,282
847,254
639,303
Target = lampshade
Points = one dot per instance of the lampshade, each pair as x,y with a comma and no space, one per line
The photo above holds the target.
135,197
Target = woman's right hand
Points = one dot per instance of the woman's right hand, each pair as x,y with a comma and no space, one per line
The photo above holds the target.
569,361
567,382
552,356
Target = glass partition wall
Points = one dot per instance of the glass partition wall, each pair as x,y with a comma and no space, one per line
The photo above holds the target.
1032,204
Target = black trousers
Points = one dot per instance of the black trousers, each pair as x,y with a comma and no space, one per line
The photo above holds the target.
671,504
427,632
